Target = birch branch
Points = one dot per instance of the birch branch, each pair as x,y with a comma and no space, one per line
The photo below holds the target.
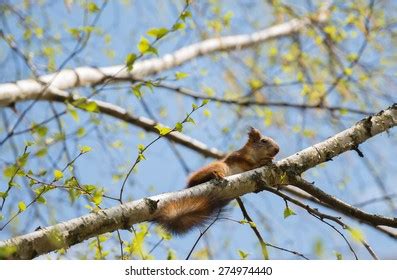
54,94
74,231
349,139
88,76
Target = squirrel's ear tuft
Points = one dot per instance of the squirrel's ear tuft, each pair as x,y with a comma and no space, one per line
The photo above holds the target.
254,134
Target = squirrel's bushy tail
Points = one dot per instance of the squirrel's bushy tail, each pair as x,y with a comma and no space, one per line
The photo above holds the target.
183,214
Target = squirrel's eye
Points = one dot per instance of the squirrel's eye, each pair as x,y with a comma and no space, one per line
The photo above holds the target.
264,141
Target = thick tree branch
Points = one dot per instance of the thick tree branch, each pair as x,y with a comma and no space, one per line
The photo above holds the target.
346,140
88,76
124,216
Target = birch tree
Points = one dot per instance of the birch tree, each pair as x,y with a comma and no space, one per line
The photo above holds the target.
106,107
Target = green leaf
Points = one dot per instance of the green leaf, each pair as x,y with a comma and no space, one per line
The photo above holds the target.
228,17
181,75
300,77
141,147
252,224
143,45
40,130
38,31
189,119
331,30
163,130
153,50
343,111
242,254
141,157
41,200
89,188
207,113
21,161
92,7
185,15
88,29
103,238
288,212
150,86
129,62
205,102
255,84
59,136
163,233
75,32
309,133
80,132
137,91
97,198
29,143
58,174
3,195
356,234
10,170
42,152
272,52
73,112
348,71
178,25
352,57
21,206
85,149
86,105
171,255
339,256
157,32
117,144
194,106
137,245
71,182
179,127
319,248
43,189
209,91
90,106
27,34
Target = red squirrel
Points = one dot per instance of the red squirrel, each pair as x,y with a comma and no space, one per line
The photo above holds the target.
181,215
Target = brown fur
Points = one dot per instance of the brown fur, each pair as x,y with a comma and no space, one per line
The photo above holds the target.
181,215
214,170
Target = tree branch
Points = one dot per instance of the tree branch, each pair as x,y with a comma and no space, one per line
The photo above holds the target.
88,76
297,192
54,94
346,140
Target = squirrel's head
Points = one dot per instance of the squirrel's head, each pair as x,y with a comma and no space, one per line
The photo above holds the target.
263,148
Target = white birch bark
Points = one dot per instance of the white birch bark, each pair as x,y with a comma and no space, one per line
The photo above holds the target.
88,76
